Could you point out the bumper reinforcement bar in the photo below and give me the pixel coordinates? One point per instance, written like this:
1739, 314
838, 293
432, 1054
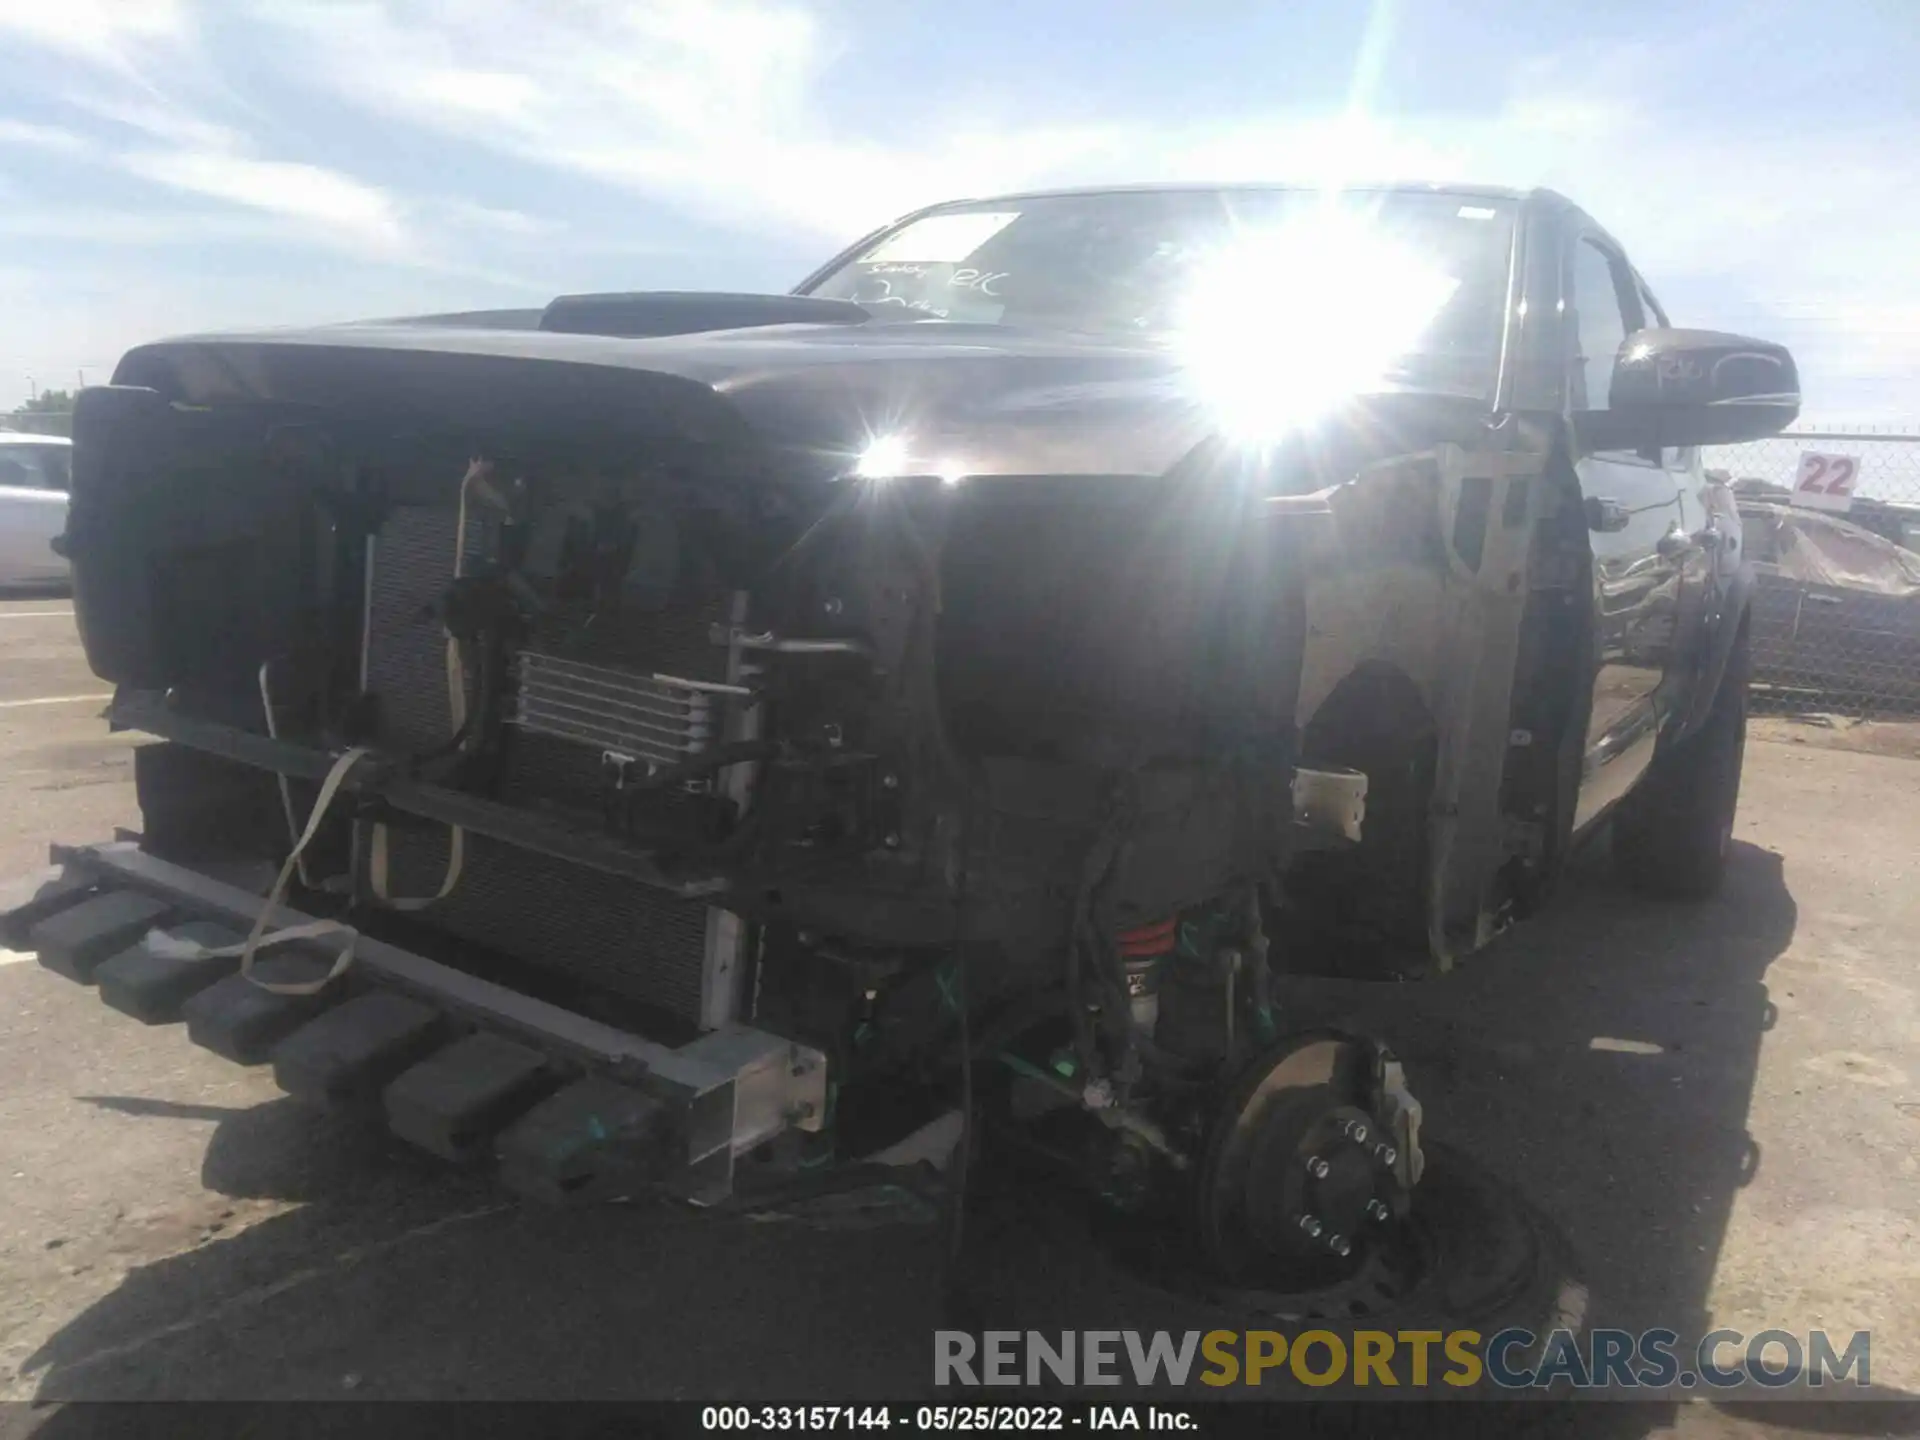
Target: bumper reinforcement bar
148, 712
568, 1107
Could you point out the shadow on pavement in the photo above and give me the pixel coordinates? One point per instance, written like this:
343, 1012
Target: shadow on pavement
398, 1277
139, 1105
1604, 1056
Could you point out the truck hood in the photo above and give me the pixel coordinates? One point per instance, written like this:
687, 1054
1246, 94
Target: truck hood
979, 400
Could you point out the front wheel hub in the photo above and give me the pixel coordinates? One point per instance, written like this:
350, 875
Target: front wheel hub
1310, 1163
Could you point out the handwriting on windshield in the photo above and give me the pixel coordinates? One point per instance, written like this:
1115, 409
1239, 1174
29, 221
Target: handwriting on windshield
968, 278
922, 306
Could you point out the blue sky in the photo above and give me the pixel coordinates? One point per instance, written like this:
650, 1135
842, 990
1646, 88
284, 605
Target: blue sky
178, 165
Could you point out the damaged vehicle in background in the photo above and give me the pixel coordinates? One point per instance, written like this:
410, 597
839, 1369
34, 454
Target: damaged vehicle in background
1836, 609
712, 741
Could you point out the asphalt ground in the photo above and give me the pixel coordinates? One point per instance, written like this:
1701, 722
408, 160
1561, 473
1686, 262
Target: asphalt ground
1719, 1104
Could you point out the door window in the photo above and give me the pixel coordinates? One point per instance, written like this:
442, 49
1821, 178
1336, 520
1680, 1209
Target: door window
1654, 317
1600, 324
35, 467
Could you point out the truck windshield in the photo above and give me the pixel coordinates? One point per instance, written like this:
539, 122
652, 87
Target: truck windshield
1295, 264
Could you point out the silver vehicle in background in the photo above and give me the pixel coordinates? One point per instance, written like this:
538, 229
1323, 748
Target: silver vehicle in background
1836, 608
36, 472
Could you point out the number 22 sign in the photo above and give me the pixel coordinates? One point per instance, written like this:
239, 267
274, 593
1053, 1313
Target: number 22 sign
1825, 482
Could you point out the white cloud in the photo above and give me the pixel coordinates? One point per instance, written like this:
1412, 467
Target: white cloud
710, 105
304, 193
103, 32
716, 106
489, 218
53, 138
135, 228
157, 118
143, 75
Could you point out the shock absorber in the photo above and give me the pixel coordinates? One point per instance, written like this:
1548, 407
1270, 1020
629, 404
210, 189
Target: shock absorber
1143, 951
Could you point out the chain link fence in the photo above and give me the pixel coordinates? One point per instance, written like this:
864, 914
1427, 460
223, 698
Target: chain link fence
1830, 520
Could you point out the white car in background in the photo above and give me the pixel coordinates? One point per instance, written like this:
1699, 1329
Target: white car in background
36, 472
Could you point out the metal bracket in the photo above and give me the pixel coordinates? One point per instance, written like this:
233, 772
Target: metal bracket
766, 640
1330, 804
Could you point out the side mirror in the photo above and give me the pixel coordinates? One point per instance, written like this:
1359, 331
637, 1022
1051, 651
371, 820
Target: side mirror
1692, 387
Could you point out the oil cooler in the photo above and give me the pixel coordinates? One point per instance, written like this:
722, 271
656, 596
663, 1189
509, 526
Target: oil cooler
583, 700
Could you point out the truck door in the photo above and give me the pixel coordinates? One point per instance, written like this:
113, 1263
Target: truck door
1634, 524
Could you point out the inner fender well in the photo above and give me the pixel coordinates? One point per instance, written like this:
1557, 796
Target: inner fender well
1364, 907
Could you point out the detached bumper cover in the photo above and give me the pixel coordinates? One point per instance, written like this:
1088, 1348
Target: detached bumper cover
567, 1106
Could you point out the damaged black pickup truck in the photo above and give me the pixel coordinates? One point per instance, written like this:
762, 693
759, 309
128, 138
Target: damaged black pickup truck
704, 738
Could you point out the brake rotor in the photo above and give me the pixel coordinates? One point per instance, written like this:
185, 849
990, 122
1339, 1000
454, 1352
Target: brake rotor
1299, 1186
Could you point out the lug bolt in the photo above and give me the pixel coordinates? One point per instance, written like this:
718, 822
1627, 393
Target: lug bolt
1318, 1168
892, 841
1376, 1211
1385, 1154
1310, 1225
1339, 1244
832, 605
1355, 1132
889, 782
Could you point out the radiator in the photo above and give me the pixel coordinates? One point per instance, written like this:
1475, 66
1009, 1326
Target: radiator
678, 955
